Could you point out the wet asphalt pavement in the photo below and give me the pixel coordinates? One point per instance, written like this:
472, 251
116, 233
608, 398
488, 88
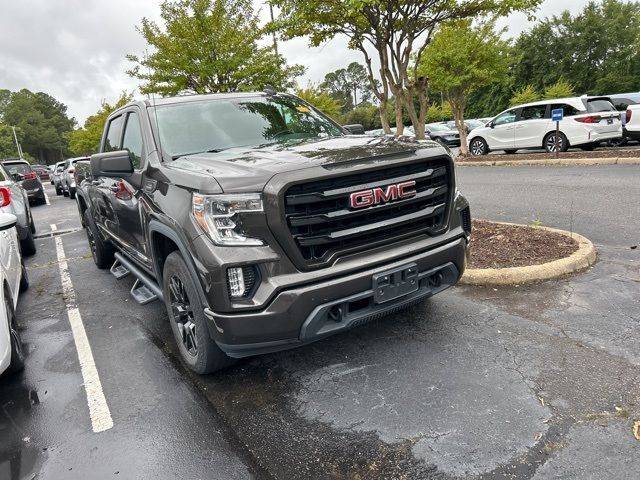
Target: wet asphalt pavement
524, 382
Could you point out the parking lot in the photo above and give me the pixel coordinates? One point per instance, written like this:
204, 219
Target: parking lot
518, 382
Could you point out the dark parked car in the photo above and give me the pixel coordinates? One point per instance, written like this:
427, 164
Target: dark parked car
23, 173
444, 135
264, 226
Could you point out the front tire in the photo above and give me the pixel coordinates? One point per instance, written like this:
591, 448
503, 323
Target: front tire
101, 251
17, 350
188, 323
478, 147
58, 190
72, 194
550, 142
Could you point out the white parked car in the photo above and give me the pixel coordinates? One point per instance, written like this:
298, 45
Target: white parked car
632, 125
67, 178
14, 279
587, 122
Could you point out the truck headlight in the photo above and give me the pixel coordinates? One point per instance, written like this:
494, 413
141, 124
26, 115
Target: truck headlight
218, 216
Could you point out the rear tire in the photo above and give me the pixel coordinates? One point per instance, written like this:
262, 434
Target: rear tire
17, 351
188, 322
24, 279
58, 191
101, 251
65, 193
549, 143
478, 147
28, 245
72, 194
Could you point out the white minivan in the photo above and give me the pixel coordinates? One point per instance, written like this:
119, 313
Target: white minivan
587, 121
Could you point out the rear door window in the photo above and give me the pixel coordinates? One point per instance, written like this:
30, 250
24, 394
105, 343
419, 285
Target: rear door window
600, 105
568, 110
535, 112
112, 140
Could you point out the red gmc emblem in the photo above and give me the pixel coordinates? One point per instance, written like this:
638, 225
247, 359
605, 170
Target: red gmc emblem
375, 196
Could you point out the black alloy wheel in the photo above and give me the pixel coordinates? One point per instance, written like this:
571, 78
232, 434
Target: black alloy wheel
182, 313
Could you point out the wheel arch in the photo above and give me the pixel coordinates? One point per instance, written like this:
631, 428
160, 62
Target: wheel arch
164, 240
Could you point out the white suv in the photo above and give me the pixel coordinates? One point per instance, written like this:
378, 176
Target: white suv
587, 122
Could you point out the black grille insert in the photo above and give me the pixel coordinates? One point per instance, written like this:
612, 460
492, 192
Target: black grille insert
321, 221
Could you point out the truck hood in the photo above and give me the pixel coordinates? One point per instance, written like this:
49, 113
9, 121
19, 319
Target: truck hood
249, 169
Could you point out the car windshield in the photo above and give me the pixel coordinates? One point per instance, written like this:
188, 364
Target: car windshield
219, 124
438, 127
20, 168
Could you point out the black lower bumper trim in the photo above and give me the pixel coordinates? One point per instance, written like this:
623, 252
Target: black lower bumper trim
350, 312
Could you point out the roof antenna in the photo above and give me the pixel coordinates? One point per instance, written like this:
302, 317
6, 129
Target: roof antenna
155, 113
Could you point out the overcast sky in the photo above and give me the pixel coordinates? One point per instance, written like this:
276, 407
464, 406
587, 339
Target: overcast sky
74, 49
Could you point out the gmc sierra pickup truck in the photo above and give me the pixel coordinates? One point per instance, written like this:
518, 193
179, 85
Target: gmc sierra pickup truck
263, 225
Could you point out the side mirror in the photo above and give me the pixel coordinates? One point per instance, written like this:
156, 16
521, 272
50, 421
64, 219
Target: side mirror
355, 129
111, 164
7, 221
492, 124
18, 177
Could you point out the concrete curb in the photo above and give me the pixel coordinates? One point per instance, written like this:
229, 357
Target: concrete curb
580, 260
552, 162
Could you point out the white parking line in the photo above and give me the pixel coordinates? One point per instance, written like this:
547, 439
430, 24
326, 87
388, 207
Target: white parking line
46, 197
98, 409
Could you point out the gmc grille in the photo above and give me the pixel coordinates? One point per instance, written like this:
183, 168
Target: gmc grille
322, 223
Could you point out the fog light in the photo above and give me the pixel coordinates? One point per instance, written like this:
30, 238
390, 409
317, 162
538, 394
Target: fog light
235, 279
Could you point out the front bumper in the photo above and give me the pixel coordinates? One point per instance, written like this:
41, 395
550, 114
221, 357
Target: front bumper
304, 314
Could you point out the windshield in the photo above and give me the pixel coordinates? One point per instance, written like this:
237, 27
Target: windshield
219, 124
438, 127
21, 168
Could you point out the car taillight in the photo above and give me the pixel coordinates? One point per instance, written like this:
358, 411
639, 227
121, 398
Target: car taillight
72, 170
5, 196
589, 119
628, 116
30, 175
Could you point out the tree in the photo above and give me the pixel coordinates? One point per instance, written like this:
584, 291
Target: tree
462, 58
597, 49
398, 31
8, 147
560, 89
366, 114
209, 46
86, 140
348, 85
526, 94
42, 121
321, 100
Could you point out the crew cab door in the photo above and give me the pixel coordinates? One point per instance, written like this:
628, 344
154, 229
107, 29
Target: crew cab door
502, 133
127, 199
102, 189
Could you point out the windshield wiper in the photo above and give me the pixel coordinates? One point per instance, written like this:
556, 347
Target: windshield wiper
213, 150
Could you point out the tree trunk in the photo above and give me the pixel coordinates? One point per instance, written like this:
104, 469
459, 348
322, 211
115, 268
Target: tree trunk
399, 123
458, 114
384, 117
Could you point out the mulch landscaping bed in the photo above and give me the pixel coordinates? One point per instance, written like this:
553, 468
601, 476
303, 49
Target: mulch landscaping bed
599, 153
494, 245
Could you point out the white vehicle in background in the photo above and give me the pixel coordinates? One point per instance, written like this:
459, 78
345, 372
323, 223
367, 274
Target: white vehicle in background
587, 122
632, 125
14, 279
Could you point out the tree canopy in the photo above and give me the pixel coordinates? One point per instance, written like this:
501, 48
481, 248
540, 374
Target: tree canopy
208, 46
462, 58
397, 31
349, 86
41, 123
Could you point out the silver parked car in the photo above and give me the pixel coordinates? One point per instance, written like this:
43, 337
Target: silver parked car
68, 181
17, 203
56, 177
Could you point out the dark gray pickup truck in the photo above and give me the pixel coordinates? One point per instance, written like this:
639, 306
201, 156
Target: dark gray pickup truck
263, 225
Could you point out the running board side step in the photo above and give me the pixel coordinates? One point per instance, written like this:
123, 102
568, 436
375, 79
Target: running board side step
118, 270
144, 289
